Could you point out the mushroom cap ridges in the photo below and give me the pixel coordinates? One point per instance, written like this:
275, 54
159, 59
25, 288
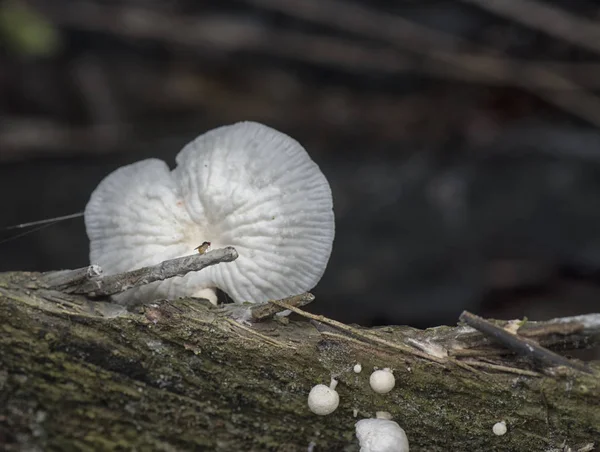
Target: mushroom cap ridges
245, 185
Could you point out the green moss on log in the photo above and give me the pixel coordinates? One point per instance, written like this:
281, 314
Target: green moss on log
181, 376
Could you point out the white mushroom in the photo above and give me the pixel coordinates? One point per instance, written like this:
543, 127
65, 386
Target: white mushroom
499, 428
245, 185
324, 400
357, 368
382, 381
381, 435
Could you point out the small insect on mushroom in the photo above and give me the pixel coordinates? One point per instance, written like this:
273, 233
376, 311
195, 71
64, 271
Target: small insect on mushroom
203, 248
382, 381
324, 400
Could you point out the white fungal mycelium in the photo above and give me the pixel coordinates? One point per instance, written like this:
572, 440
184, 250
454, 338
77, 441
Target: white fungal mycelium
323, 400
499, 428
244, 185
382, 381
381, 435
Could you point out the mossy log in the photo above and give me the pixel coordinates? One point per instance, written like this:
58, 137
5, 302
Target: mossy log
77, 374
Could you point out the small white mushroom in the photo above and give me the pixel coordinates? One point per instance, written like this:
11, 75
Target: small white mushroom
324, 400
357, 368
245, 185
499, 428
382, 381
381, 435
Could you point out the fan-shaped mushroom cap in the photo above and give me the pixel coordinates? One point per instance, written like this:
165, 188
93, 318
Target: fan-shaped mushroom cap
245, 185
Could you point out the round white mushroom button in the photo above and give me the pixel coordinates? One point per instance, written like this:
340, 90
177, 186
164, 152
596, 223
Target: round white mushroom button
323, 400
381, 435
357, 368
382, 381
499, 428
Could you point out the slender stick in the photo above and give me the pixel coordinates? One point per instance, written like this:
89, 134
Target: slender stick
268, 310
96, 286
519, 344
362, 334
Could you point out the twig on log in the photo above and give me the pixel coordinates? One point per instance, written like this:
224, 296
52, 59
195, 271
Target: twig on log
566, 333
71, 278
518, 344
356, 332
81, 281
268, 310
500, 368
588, 324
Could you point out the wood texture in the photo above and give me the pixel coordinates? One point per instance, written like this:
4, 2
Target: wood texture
180, 375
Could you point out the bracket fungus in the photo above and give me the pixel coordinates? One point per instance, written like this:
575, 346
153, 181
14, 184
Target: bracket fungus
244, 185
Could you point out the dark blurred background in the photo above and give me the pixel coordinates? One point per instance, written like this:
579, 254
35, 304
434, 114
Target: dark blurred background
461, 137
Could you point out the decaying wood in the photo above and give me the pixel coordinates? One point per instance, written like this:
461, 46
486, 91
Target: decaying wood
77, 374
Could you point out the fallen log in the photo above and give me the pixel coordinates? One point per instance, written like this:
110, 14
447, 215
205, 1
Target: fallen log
78, 373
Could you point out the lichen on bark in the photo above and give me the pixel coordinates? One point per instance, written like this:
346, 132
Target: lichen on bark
76, 374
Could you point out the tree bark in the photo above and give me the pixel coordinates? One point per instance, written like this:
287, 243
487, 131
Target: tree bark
77, 374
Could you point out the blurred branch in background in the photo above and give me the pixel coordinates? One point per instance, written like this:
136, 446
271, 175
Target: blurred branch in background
438, 48
542, 16
461, 137
352, 37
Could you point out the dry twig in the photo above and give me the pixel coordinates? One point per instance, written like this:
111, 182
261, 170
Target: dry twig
87, 280
267, 310
519, 344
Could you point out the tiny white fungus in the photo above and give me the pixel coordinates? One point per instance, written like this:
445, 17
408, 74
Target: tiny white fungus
382, 381
499, 428
333, 383
324, 400
381, 435
357, 368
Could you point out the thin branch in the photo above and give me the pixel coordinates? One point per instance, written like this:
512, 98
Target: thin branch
553, 21
519, 344
478, 65
585, 324
356, 332
267, 310
499, 368
80, 281
63, 279
436, 46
